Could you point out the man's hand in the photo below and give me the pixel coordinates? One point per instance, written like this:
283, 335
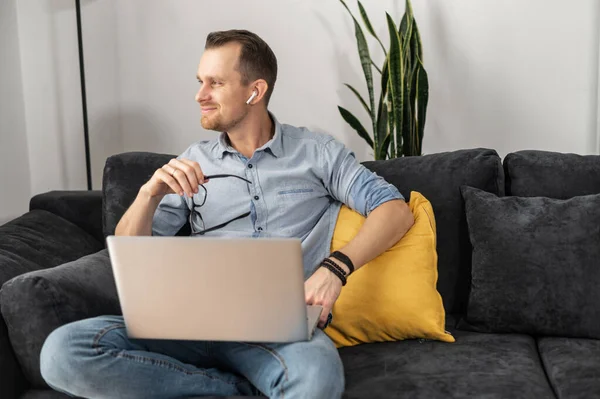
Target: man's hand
323, 288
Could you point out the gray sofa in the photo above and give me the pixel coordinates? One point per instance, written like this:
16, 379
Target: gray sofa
522, 316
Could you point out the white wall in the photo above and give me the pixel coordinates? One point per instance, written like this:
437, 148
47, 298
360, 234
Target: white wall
48, 45
508, 75
14, 158
512, 74
504, 74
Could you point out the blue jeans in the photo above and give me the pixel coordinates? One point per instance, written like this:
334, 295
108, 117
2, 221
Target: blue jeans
94, 358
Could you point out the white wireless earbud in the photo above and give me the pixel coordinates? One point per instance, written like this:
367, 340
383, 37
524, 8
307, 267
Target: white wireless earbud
254, 94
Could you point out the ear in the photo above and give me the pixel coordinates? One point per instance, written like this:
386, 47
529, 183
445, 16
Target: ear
260, 86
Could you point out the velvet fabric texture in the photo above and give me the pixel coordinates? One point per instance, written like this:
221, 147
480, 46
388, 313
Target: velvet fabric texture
535, 264
491, 366
82, 208
535, 173
439, 177
37, 240
572, 366
36, 303
51, 394
124, 174
44, 394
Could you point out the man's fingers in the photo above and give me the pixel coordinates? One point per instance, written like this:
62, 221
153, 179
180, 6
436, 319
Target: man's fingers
324, 316
165, 175
197, 169
185, 175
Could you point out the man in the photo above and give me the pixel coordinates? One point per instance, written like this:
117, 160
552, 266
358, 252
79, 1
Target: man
293, 181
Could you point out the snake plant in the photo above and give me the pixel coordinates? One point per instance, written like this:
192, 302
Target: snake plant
398, 122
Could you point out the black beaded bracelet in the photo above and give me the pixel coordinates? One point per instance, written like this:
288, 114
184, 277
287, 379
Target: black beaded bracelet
343, 258
332, 263
335, 271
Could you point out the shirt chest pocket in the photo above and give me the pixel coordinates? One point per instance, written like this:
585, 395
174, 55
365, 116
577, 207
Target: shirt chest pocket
295, 193
293, 197
294, 204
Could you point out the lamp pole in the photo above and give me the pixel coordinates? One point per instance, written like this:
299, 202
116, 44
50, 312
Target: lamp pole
83, 97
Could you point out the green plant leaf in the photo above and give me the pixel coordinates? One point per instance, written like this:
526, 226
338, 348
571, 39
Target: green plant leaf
382, 117
356, 125
422, 100
397, 85
375, 66
365, 60
364, 104
418, 46
391, 127
384, 147
382, 124
405, 32
408, 120
365, 19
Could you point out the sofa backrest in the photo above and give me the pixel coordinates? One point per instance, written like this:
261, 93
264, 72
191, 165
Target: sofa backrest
124, 175
534, 173
437, 176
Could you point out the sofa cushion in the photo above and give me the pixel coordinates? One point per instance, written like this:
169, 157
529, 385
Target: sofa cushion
534, 173
44, 394
35, 303
124, 174
35, 240
392, 297
38, 240
492, 366
535, 264
572, 366
83, 208
439, 177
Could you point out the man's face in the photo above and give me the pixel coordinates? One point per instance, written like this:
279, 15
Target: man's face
221, 95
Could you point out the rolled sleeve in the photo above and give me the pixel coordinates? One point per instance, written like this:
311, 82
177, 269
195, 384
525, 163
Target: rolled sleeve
170, 216
352, 183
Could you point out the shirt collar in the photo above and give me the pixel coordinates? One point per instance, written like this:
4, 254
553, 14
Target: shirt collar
274, 145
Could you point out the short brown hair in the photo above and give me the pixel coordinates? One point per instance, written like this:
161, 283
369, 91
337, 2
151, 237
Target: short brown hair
257, 60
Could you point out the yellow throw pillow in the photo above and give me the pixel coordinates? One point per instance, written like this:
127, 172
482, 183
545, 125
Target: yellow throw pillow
393, 297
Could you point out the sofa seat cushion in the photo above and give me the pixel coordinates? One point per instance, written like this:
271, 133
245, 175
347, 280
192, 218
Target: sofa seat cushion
572, 366
477, 365
36, 303
40, 239
44, 394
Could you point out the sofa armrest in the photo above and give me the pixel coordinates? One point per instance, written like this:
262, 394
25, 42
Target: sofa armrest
80, 207
36, 303
12, 380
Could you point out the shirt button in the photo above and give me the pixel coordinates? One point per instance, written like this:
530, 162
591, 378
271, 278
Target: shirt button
259, 229
250, 165
256, 197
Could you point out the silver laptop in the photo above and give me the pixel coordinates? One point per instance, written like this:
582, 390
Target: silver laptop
215, 289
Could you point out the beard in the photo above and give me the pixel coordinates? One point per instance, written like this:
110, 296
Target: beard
217, 123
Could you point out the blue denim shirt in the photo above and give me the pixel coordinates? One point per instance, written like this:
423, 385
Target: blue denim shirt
299, 181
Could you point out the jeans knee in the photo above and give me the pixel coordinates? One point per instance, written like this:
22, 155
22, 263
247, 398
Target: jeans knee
67, 351
316, 380
55, 354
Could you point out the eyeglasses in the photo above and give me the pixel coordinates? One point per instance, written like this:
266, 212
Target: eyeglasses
195, 216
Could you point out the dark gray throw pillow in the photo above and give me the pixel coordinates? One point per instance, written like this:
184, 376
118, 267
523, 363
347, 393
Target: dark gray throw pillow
34, 304
536, 264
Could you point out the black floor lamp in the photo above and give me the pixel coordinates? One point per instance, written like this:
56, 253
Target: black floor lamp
83, 97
